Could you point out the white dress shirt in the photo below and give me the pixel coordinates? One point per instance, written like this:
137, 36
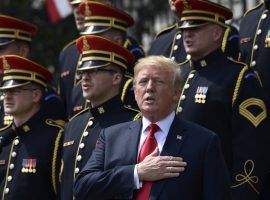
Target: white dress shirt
160, 136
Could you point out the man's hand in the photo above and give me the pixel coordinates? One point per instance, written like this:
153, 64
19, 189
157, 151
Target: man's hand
155, 167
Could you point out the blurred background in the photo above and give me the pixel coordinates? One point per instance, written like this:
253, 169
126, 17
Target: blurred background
55, 32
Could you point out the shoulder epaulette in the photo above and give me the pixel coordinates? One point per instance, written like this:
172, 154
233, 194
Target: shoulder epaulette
77, 114
5, 127
55, 123
132, 109
69, 44
254, 8
165, 30
138, 116
127, 43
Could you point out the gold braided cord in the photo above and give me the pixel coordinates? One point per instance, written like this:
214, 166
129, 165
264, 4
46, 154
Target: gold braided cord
258, 78
225, 38
138, 116
124, 91
247, 177
238, 83
54, 160
56, 123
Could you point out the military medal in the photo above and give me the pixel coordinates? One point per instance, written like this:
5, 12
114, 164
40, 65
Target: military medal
29, 166
200, 96
267, 40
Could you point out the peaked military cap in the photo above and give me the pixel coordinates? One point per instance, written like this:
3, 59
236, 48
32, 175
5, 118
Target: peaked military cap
99, 52
19, 71
196, 13
100, 17
12, 28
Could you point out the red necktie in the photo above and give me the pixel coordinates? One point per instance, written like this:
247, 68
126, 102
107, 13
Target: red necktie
148, 147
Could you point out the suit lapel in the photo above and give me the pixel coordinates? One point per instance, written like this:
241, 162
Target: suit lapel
172, 147
133, 136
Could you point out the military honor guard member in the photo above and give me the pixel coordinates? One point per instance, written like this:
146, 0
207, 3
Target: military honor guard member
15, 39
114, 28
158, 156
30, 156
169, 41
255, 41
69, 59
102, 69
255, 50
224, 96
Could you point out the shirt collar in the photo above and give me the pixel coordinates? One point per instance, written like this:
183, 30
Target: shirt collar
163, 124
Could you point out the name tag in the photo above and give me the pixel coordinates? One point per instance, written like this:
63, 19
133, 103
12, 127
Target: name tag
64, 74
69, 143
2, 162
245, 40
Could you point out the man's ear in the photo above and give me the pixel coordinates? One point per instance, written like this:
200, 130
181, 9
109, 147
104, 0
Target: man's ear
118, 39
37, 95
117, 78
24, 50
217, 33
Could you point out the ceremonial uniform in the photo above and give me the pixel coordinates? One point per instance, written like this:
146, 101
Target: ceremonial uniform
255, 42
30, 157
82, 131
169, 43
29, 166
226, 97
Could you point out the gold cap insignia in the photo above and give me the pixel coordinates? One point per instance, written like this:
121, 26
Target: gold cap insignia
26, 128
87, 10
186, 5
86, 46
5, 64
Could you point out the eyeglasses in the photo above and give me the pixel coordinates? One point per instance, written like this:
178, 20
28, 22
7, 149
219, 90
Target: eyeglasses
93, 72
16, 91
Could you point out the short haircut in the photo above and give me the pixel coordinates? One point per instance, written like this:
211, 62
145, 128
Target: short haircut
159, 62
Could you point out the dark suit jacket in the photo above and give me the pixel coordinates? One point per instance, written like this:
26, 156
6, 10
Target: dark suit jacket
109, 172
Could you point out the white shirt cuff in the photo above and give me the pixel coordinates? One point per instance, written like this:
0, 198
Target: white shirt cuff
137, 182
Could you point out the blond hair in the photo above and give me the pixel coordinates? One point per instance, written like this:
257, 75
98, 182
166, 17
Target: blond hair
159, 62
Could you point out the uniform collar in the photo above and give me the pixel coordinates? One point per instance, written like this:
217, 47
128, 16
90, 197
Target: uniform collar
207, 60
108, 106
30, 124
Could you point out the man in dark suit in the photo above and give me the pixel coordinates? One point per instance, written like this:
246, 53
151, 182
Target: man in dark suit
158, 156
